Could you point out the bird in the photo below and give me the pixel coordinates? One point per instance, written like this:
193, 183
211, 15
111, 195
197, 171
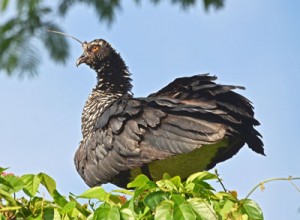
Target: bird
188, 126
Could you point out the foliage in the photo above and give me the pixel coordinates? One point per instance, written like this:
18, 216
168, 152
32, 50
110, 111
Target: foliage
20, 33
169, 198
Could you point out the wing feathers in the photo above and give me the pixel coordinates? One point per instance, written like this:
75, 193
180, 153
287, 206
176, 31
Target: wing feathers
188, 114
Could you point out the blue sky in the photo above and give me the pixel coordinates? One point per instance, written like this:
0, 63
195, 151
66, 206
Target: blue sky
251, 43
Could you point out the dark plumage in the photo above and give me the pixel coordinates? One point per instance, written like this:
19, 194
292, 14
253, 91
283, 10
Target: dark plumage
188, 126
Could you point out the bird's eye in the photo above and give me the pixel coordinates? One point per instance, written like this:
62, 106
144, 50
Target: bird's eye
95, 48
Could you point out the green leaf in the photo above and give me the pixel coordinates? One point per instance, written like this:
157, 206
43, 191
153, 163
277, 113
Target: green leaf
150, 186
57, 45
32, 183
227, 207
95, 193
83, 210
11, 183
166, 176
224, 195
108, 212
73, 214
164, 210
177, 198
155, 198
59, 199
8, 197
139, 181
56, 215
200, 176
48, 182
127, 214
6, 28
68, 208
49, 214
2, 169
252, 209
182, 210
124, 191
237, 214
4, 5
5, 183
166, 185
202, 209
29, 60
216, 3
176, 180
113, 199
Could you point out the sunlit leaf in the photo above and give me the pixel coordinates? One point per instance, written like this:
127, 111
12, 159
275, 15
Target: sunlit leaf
8, 197
176, 180
108, 212
227, 196
11, 183
226, 208
139, 181
166, 185
252, 209
48, 182
95, 193
83, 210
32, 183
124, 191
200, 176
4, 183
164, 210
68, 207
202, 209
182, 210
59, 199
127, 214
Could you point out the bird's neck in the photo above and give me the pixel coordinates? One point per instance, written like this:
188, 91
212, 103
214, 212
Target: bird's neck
113, 83
113, 76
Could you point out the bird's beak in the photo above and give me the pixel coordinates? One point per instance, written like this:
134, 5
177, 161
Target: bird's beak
81, 59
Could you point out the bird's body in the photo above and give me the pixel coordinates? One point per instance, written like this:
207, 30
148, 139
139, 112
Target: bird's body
188, 126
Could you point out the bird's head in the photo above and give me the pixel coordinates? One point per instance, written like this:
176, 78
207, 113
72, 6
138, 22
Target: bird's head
112, 72
95, 53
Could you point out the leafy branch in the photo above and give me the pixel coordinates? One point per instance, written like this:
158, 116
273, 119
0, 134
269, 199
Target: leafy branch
20, 33
169, 198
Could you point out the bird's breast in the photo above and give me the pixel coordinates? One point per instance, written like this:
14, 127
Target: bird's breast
96, 104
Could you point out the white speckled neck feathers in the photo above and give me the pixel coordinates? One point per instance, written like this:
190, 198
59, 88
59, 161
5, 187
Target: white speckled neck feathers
97, 102
113, 82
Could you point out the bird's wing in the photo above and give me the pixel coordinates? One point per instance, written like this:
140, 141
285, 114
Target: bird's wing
133, 133
203, 90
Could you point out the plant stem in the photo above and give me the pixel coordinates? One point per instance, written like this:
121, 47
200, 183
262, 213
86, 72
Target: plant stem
275, 179
220, 180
